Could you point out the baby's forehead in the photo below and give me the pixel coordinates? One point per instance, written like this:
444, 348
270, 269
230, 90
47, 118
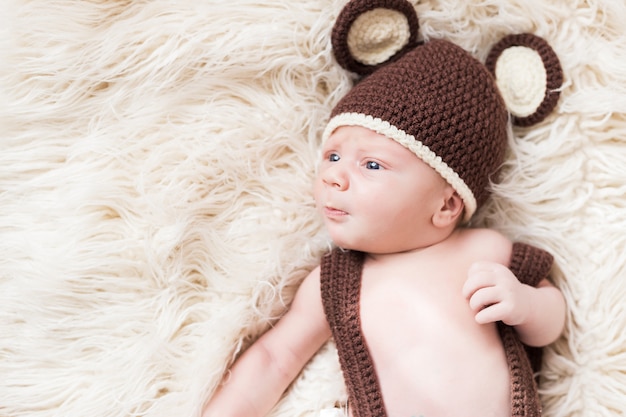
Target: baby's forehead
368, 139
358, 134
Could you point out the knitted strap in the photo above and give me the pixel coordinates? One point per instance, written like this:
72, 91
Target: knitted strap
530, 265
341, 288
524, 396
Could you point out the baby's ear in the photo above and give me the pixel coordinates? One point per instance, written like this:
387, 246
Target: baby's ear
529, 76
371, 33
450, 211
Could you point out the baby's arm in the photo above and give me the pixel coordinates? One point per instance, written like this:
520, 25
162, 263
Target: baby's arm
260, 376
495, 294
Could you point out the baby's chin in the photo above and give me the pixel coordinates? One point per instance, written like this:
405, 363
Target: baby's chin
375, 247
347, 244
359, 246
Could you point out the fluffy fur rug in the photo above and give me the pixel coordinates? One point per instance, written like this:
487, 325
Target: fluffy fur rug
156, 212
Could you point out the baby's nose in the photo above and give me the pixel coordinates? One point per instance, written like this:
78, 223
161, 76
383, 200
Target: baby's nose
336, 177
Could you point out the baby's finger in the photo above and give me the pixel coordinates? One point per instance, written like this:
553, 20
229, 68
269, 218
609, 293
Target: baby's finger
477, 278
484, 298
490, 314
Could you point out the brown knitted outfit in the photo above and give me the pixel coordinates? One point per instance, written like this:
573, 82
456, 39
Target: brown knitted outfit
445, 106
340, 285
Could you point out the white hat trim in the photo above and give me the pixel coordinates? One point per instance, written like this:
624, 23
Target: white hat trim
408, 141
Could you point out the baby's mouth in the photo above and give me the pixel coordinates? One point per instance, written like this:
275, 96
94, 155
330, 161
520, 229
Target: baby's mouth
334, 212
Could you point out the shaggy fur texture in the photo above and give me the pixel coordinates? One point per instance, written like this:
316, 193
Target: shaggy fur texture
156, 213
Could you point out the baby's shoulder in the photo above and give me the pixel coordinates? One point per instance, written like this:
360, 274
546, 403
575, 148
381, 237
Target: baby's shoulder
476, 234
487, 244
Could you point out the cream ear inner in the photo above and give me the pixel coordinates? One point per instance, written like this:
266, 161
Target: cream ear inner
377, 35
522, 80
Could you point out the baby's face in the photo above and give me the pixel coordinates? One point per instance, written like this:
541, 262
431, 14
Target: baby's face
373, 193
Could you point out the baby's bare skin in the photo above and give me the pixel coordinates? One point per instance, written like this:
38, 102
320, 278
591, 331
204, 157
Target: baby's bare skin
431, 357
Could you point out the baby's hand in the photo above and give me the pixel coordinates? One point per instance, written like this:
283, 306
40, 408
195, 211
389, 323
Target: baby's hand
495, 294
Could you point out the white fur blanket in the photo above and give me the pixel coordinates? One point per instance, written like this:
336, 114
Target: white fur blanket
156, 213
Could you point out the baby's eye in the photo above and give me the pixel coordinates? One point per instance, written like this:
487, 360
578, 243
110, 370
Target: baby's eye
333, 157
373, 165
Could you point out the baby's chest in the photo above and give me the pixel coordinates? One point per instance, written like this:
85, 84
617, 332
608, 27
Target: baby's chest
423, 337
425, 343
412, 309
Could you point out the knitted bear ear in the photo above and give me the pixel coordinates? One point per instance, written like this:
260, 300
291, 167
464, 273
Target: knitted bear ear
528, 74
371, 33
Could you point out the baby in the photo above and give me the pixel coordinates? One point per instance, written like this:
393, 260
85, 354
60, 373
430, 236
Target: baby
428, 315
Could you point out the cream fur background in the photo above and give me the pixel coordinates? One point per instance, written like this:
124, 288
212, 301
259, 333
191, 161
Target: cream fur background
155, 203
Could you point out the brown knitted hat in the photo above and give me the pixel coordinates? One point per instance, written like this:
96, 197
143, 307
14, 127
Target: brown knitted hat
433, 98
443, 105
